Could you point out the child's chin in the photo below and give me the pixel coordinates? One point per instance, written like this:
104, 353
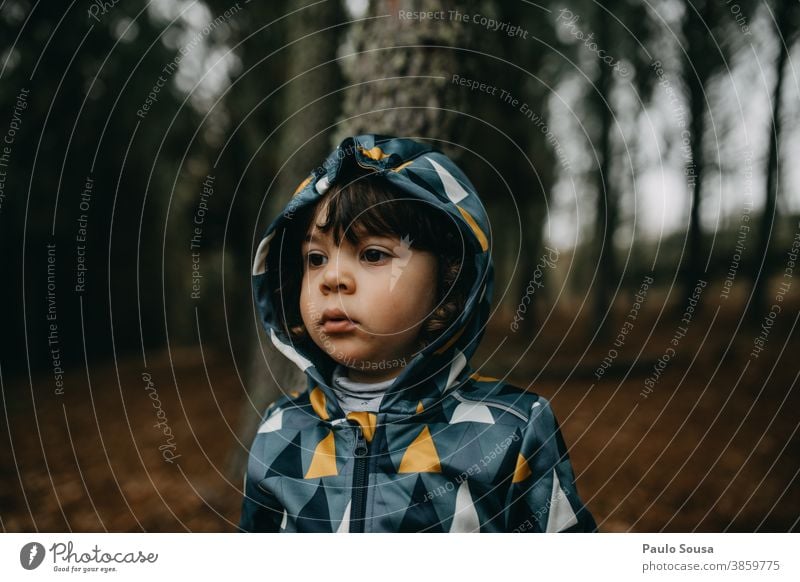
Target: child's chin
352, 361
345, 357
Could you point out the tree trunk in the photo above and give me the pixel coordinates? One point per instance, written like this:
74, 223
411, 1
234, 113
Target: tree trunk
693, 169
699, 63
761, 263
606, 219
406, 91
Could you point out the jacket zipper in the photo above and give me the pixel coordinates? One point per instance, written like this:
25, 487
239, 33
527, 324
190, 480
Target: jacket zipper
359, 497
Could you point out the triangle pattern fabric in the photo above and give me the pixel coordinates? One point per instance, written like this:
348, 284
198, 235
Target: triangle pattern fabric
522, 470
472, 412
344, 525
273, 423
421, 455
315, 517
464, 450
288, 463
459, 363
455, 191
561, 516
465, 516
420, 515
391, 497
323, 463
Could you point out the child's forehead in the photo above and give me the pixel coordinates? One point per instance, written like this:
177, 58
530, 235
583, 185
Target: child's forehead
316, 234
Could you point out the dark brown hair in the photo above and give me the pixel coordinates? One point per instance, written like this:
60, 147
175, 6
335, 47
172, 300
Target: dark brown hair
370, 205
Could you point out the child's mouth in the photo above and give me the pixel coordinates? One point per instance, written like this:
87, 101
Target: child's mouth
335, 321
338, 326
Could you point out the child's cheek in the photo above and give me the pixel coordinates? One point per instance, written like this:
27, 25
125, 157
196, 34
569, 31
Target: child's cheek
307, 307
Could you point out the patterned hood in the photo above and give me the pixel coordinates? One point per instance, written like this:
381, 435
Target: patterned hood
421, 172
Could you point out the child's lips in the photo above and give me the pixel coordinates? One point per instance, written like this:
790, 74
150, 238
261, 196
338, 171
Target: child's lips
336, 321
338, 326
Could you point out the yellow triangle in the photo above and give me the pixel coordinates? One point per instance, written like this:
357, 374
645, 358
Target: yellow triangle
323, 464
522, 471
318, 401
420, 408
421, 455
367, 420
484, 242
480, 378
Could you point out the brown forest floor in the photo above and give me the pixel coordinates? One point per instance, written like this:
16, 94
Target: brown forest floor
713, 448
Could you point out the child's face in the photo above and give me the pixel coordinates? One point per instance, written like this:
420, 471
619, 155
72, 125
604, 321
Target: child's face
364, 304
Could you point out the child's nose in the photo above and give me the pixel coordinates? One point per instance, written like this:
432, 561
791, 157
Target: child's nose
337, 277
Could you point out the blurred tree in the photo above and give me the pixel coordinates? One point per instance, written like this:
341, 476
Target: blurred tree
531, 173
711, 36
606, 210
86, 77
400, 69
615, 43
785, 18
528, 69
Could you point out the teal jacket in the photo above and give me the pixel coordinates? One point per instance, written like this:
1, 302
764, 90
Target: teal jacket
449, 450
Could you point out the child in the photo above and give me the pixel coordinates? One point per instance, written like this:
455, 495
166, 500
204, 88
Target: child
376, 281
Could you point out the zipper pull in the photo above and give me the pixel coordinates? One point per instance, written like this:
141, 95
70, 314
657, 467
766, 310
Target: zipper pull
361, 443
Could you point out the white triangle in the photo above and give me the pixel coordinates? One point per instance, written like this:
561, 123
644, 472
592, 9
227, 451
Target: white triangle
472, 412
322, 185
260, 262
274, 422
283, 521
561, 516
455, 191
459, 361
344, 527
465, 516
290, 352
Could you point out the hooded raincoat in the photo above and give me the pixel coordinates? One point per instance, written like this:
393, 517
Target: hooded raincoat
449, 450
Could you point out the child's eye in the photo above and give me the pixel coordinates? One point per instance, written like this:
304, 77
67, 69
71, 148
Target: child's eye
315, 259
375, 255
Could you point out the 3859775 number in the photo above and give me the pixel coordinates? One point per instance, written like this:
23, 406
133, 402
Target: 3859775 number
749, 565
